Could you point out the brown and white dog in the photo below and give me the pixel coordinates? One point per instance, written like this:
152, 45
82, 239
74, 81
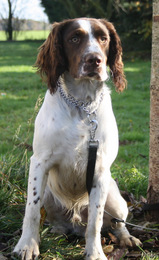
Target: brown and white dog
74, 60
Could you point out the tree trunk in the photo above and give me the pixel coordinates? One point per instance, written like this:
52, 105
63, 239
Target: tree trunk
153, 187
10, 27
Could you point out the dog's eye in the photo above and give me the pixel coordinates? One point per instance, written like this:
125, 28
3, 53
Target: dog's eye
103, 39
75, 39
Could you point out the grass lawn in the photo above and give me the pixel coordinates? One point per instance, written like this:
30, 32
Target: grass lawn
21, 94
27, 35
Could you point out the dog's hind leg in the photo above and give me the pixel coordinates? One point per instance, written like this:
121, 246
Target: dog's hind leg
57, 214
117, 207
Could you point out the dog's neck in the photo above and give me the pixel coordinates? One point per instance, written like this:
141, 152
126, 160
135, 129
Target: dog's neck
85, 90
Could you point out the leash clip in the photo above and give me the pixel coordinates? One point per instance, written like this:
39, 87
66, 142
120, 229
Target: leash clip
93, 124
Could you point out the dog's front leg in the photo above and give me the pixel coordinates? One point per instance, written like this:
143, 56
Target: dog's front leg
97, 202
28, 245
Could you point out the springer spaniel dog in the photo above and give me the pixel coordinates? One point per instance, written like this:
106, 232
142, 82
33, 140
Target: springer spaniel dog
77, 111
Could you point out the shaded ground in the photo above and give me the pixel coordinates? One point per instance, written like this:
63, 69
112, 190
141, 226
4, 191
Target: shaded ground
71, 247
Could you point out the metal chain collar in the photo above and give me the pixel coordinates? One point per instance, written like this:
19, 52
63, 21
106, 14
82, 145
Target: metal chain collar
85, 106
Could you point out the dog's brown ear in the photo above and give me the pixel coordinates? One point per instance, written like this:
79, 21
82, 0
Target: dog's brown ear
115, 57
51, 61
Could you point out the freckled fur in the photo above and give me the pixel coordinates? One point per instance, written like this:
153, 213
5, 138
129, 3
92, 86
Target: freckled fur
59, 162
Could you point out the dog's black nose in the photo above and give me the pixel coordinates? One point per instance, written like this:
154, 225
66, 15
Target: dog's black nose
93, 59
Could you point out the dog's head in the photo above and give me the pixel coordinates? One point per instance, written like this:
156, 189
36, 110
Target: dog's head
84, 47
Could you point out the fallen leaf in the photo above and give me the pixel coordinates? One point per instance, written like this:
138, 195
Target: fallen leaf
118, 254
108, 249
43, 216
134, 254
113, 238
103, 241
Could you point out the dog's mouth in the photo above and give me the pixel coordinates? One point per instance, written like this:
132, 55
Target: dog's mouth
92, 74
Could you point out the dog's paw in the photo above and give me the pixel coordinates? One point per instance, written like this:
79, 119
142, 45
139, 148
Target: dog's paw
124, 237
129, 241
27, 249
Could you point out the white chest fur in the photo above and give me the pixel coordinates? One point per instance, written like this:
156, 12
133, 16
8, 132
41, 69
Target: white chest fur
61, 140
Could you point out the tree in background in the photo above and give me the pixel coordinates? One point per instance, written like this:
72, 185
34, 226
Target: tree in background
58, 10
11, 24
9, 29
135, 24
132, 18
153, 188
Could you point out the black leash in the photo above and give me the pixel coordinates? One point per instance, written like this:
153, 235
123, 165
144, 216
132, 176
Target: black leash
92, 155
117, 220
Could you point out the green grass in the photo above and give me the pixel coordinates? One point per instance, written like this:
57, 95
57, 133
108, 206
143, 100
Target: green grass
131, 109
21, 94
26, 35
19, 88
